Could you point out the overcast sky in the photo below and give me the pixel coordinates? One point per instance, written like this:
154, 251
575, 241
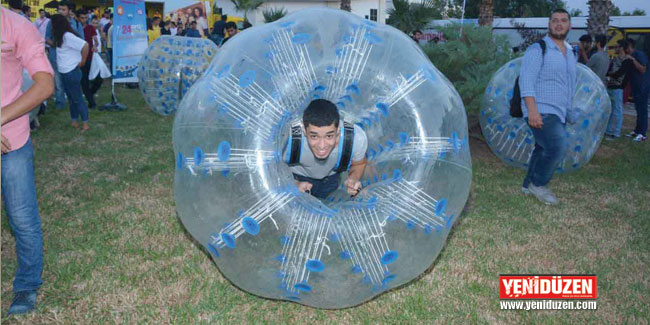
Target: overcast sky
625, 5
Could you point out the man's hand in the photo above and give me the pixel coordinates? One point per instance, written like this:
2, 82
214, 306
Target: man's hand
304, 186
353, 186
535, 120
6, 146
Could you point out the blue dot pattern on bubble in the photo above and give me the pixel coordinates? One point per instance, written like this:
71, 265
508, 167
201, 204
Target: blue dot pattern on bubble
511, 139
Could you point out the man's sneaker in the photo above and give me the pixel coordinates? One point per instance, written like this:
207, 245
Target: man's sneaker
542, 193
23, 303
640, 138
631, 135
525, 190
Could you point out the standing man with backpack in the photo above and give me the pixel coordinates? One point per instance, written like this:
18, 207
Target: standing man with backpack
547, 81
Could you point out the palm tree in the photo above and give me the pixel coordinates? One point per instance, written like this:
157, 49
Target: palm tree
410, 16
346, 5
246, 6
486, 13
598, 20
273, 14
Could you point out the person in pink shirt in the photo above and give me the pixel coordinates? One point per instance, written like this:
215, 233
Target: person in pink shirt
22, 48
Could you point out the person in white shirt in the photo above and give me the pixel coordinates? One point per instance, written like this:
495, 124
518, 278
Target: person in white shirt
71, 54
41, 23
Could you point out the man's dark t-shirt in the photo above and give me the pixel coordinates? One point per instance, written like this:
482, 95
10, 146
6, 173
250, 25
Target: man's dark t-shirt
218, 27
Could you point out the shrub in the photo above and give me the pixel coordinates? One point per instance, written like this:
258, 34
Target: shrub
469, 61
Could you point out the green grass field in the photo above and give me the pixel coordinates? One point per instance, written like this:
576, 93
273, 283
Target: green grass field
115, 251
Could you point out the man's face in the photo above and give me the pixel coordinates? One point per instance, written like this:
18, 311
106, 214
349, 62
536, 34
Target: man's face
95, 23
64, 11
322, 140
231, 31
418, 36
193, 25
83, 18
41, 13
629, 50
559, 25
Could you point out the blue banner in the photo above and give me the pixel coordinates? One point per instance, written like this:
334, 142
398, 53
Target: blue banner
129, 38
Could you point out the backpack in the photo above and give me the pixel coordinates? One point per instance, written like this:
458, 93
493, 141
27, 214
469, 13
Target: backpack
515, 101
294, 144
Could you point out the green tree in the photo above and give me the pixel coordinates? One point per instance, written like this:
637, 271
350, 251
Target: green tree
598, 20
246, 6
469, 61
575, 12
616, 11
514, 8
273, 14
409, 16
486, 15
638, 12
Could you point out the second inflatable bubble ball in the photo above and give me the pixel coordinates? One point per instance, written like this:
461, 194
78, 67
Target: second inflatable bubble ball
169, 67
512, 140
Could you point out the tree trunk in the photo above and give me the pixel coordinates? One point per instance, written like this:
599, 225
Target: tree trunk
486, 14
598, 20
345, 5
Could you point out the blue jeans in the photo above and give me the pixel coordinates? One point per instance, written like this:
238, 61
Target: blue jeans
19, 197
72, 85
321, 188
59, 93
616, 117
641, 106
550, 146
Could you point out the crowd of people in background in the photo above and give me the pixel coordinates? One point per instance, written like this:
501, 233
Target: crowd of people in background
194, 26
71, 39
629, 66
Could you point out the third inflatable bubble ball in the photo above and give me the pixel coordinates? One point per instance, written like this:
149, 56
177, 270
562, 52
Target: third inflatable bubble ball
512, 140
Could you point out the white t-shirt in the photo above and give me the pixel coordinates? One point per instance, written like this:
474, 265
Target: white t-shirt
103, 21
68, 55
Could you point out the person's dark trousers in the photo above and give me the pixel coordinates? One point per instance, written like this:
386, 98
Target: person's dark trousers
72, 86
641, 106
321, 188
19, 198
89, 87
550, 146
109, 57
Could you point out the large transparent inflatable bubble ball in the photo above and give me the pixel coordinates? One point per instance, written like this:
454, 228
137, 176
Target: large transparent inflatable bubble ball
169, 67
233, 136
512, 140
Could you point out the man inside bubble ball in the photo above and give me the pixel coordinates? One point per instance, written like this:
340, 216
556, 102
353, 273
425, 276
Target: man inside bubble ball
547, 81
332, 147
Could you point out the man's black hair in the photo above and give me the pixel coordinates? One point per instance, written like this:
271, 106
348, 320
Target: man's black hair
16, 4
224, 17
230, 24
560, 11
321, 112
631, 42
622, 43
601, 39
417, 31
81, 12
585, 38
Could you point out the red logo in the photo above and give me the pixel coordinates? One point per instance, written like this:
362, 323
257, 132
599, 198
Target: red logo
531, 286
